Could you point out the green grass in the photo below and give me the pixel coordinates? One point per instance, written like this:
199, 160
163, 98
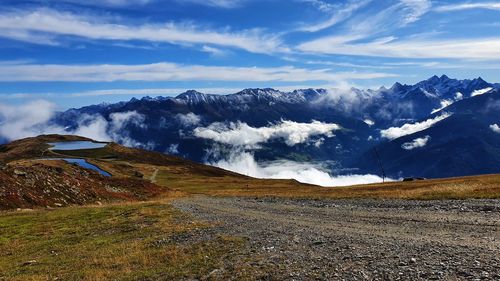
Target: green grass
109, 242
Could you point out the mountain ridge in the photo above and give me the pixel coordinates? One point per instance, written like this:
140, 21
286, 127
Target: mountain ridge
167, 124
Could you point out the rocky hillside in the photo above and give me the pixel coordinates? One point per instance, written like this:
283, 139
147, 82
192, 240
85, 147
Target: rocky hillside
27, 180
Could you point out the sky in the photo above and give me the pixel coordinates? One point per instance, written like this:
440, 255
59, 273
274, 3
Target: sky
74, 53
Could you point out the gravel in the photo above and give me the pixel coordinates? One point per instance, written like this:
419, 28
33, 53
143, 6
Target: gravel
291, 239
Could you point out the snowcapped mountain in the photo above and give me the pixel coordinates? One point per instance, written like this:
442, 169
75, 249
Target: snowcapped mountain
299, 126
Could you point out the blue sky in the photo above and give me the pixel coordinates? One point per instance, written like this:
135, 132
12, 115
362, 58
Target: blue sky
76, 54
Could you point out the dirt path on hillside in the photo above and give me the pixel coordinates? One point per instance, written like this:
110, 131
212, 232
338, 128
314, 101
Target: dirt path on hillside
357, 240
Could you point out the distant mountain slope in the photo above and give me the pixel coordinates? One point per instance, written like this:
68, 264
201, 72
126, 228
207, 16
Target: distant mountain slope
462, 144
168, 124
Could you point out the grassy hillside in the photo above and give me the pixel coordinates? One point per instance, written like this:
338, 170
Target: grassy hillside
485, 186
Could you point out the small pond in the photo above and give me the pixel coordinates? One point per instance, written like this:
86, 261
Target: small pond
76, 145
82, 163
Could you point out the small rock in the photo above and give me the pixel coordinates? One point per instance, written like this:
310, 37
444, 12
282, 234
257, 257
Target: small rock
19, 173
214, 272
31, 262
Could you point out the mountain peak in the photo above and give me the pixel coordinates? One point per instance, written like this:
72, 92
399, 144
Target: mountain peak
397, 87
257, 90
444, 77
480, 79
436, 79
189, 94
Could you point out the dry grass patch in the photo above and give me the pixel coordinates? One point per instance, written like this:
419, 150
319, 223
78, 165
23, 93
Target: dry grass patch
118, 241
485, 186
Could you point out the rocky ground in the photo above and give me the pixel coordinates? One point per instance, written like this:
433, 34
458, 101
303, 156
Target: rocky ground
38, 183
354, 239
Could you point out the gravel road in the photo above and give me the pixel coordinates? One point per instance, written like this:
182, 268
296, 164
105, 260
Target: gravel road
355, 239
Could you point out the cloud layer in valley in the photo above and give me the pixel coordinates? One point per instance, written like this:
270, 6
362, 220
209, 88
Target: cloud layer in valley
243, 138
245, 163
241, 134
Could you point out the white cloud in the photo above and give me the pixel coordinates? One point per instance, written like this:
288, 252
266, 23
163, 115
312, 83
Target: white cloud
228, 4
480, 92
407, 129
495, 128
27, 120
214, 52
165, 71
414, 9
189, 119
444, 103
320, 5
34, 118
51, 24
447, 102
346, 99
339, 14
416, 143
468, 6
121, 119
244, 163
240, 134
91, 126
477, 48
362, 25
369, 122
110, 3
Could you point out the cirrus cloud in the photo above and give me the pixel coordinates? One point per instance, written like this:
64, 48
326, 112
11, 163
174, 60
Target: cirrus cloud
52, 24
165, 71
468, 6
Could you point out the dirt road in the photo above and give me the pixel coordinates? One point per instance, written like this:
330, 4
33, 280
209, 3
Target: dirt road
356, 240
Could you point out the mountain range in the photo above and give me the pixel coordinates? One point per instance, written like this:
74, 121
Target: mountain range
439, 127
